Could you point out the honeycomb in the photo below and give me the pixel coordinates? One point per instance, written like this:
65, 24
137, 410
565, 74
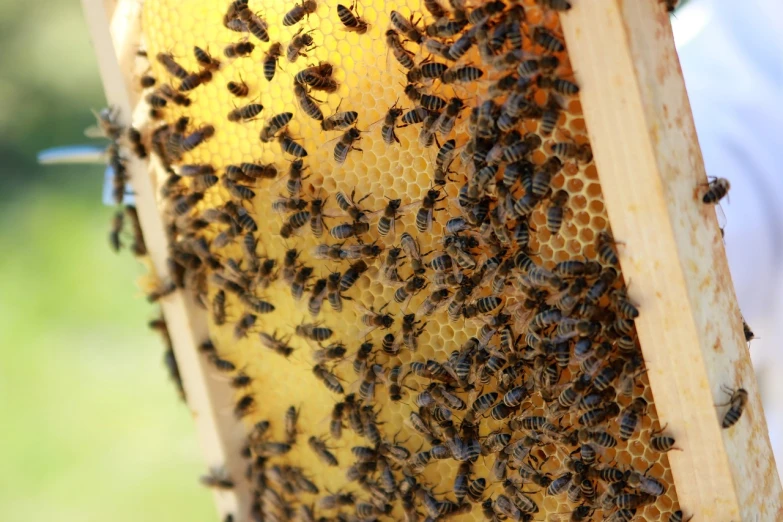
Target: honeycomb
370, 80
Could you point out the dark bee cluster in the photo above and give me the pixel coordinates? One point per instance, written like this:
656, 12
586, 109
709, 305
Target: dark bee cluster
486, 309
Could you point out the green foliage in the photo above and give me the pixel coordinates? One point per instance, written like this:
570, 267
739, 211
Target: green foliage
92, 430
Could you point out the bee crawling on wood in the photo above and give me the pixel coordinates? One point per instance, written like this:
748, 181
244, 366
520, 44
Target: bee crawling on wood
737, 401
717, 189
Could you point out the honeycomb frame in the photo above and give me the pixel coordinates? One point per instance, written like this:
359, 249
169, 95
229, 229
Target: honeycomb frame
538, 218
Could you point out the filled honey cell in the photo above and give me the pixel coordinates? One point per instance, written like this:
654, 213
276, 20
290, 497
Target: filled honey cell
496, 288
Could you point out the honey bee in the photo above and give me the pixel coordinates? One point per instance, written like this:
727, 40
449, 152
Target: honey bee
671, 5
277, 344
427, 71
445, 27
554, 215
605, 247
346, 145
238, 49
256, 25
238, 191
116, 228
135, 138
557, 5
318, 294
413, 116
244, 406
313, 331
425, 212
411, 248
307, 103
259, 306
717, 189
437, 48
505, 507
336, 423
546, 39
456, 248
352, 275
322, 451
299, 46
295, 178
197, 137
401, 54
161, 291
362, 356
645, 484
299, 11
374, 319
749, 335
171, 66
266, 273
245, 113
329, 379
300, 281
632, 500
274, 52
410, 332
435, 8
351, 22
205, 59
217, 479
433, 302
333, 292
243, 325
447, 119
443, 160
737, 400
291, 417
550, 116
661, 443
583, 153
275, 124
389, 124
560, 85
147, 81
348, 230
339, 120
289, 146
317, 77
238, 89
461, 74
406, 27
413, 286
193, 80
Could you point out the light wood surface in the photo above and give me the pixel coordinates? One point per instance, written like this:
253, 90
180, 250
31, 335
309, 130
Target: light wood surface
651, 172
209, 397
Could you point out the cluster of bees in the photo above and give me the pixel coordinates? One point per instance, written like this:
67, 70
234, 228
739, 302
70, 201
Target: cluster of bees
550, 379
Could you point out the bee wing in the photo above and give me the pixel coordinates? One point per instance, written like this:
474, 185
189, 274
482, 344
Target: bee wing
330, 144
94, 131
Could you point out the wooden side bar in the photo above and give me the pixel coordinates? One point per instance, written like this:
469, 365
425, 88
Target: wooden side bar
652, 175
208, 397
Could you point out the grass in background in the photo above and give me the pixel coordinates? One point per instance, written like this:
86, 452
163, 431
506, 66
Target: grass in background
92, 430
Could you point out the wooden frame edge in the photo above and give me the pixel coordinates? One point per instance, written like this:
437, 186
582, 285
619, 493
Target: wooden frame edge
210, 399
652, 176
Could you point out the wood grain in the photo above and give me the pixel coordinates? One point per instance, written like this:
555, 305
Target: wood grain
209, 397
652, 175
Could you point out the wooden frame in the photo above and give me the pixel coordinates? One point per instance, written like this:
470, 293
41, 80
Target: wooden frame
652, 179
115, 30
652, 175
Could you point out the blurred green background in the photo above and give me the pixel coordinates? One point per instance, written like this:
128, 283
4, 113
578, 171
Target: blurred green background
93, 429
